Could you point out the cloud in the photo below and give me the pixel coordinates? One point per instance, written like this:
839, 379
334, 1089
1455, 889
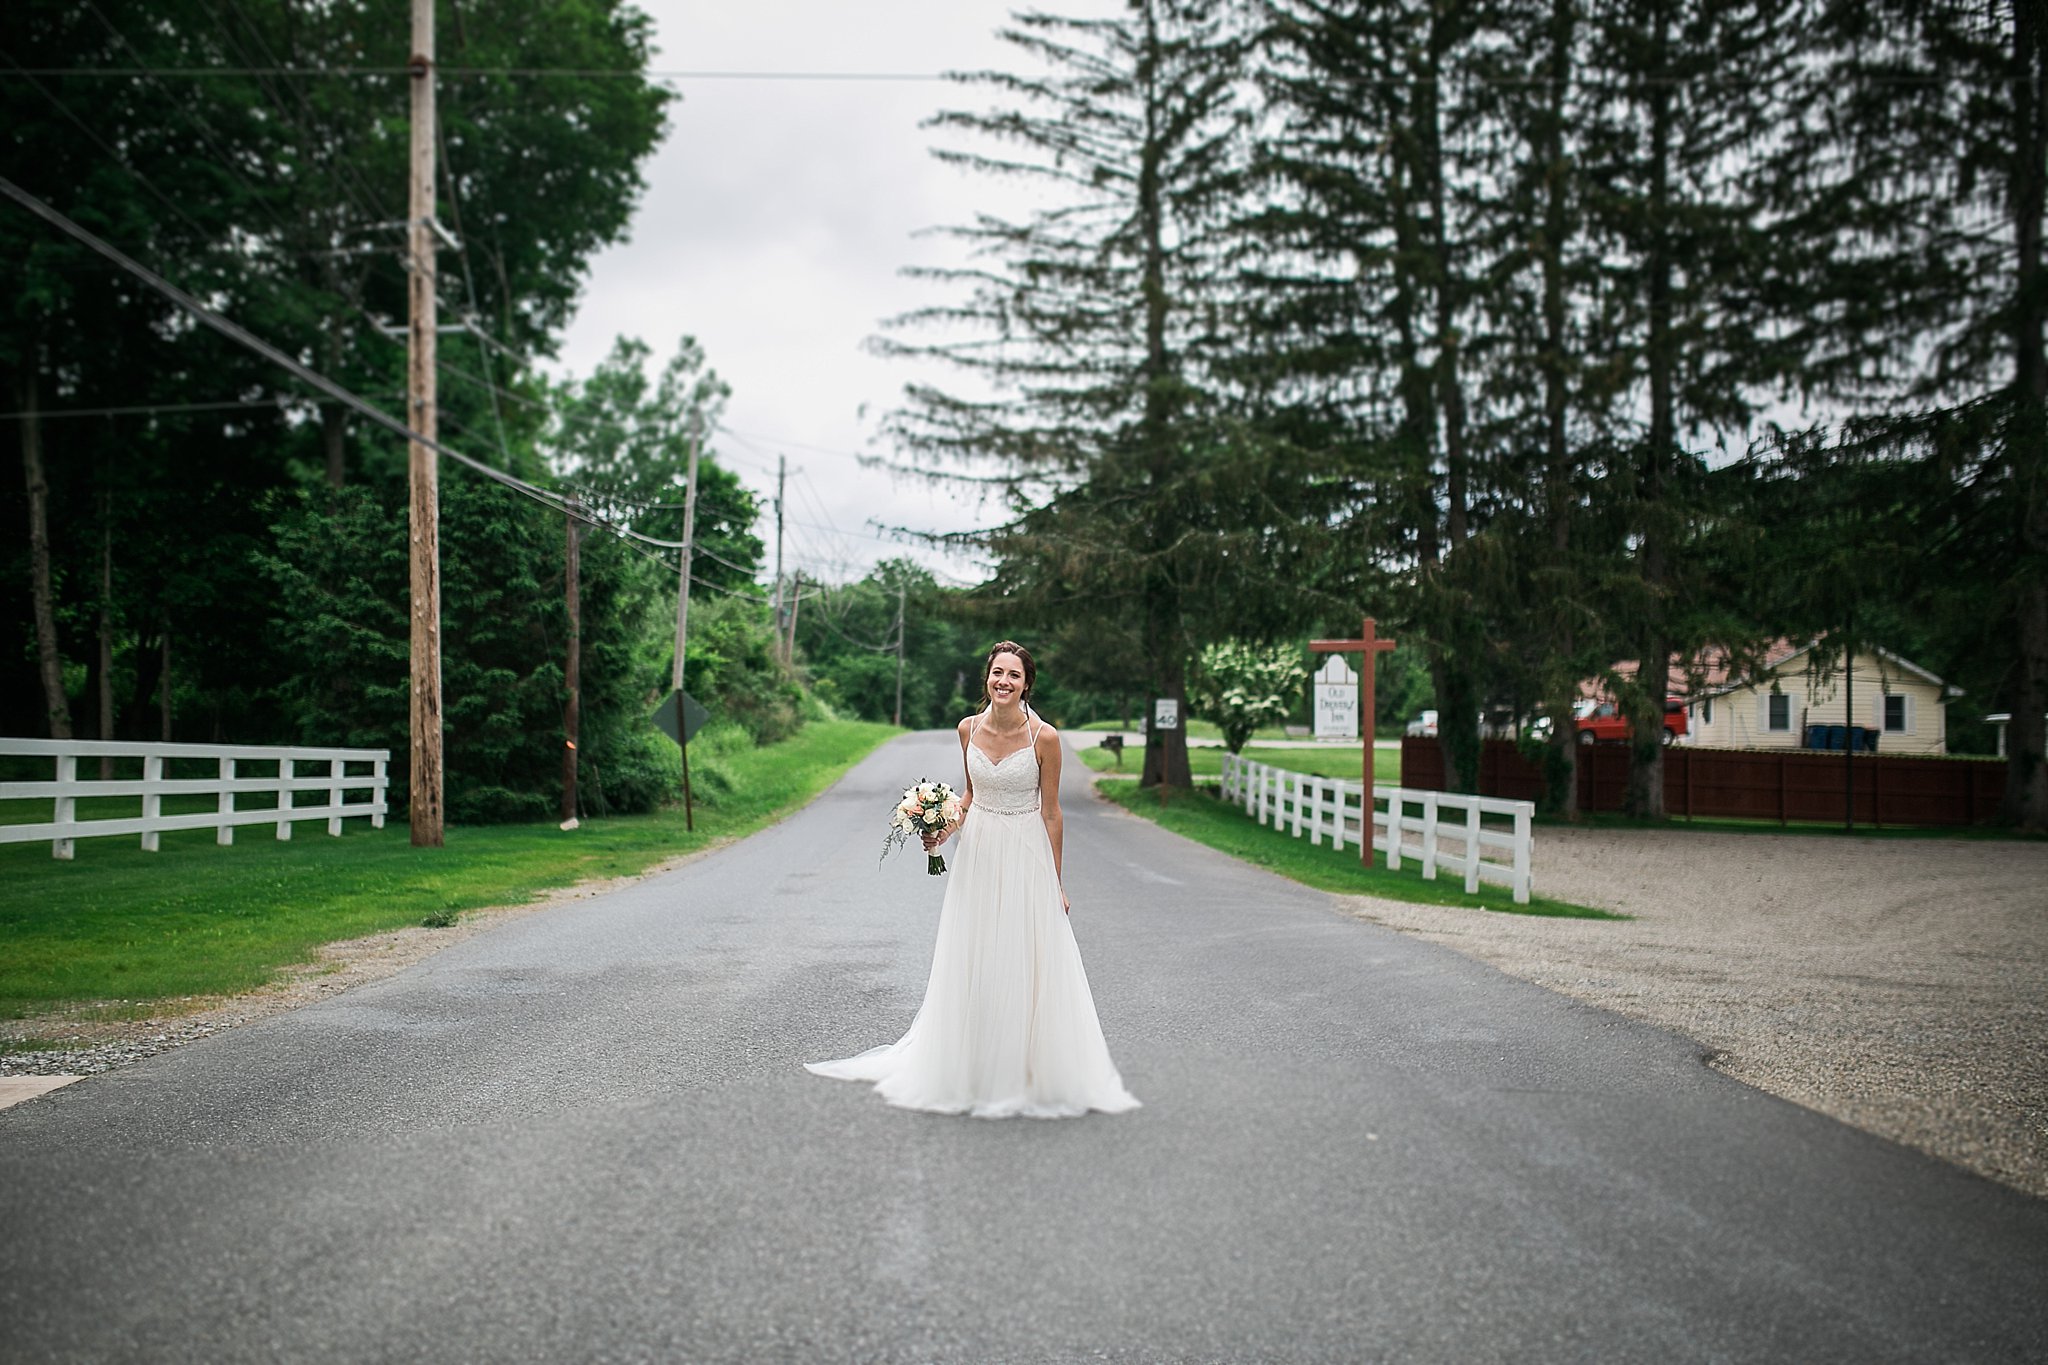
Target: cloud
777, 219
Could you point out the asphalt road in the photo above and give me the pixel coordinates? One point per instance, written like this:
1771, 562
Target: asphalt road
586, 1136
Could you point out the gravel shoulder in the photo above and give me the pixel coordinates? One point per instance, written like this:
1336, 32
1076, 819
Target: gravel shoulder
1897, 985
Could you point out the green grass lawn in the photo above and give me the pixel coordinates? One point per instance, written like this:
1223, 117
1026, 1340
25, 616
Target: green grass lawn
1335, 761
1227, 829
121, 925
1196, 727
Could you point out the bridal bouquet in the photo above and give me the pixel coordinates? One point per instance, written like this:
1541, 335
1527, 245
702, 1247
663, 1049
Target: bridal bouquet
928, 807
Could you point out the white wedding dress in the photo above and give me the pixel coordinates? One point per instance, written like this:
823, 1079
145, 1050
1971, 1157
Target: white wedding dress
1008, 1025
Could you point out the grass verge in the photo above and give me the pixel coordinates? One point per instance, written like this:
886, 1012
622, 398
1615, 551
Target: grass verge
1207, 820
1206, 761
121, 925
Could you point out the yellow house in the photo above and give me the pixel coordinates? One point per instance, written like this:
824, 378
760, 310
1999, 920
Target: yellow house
1902, 702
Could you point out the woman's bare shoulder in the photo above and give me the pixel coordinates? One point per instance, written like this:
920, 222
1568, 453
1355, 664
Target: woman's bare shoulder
966, 724
1048, 735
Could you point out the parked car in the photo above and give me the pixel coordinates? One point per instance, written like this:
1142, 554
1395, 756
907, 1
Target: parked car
1606, 723
1423, 725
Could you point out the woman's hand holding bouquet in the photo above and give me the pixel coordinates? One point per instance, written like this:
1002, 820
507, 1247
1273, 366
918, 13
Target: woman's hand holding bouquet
929, 811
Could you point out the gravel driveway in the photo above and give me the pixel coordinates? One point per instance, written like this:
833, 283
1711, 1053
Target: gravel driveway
1900, 985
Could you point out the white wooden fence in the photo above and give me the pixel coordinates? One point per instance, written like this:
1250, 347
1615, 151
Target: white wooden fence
153, 787
1416, 823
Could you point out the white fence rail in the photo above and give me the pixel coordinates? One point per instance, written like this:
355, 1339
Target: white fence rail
1414, 825
66, 825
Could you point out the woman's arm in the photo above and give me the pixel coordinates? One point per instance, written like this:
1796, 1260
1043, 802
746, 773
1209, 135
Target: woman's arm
932, 841
1049, 755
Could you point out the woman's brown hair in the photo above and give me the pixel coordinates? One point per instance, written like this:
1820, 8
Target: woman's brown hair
1023, 657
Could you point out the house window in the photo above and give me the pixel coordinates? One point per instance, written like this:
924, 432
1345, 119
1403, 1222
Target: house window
1778, 716
1898, 716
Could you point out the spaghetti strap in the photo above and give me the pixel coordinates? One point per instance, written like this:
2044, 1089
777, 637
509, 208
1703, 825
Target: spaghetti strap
1033, 741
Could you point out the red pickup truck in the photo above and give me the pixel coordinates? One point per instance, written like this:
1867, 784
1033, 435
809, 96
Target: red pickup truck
1605, 722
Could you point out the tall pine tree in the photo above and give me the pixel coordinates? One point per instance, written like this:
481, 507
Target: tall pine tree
1089, 333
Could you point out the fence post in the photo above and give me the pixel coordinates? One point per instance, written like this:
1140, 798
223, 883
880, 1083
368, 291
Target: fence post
1396, 814
224, 833
152, 800
334, 778
1472, 848
66, 809
380, 784
1337, 798
1522, 851
1430, 815
285, 767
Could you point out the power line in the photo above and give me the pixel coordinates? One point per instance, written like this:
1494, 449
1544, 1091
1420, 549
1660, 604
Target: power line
241, 336
109, 149
382, 72
306, 119
281, 401
346, 72
197, 120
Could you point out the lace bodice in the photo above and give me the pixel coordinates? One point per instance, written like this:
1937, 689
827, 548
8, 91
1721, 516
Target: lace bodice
1008, 786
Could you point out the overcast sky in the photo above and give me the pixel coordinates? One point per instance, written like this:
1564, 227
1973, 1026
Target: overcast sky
777, 216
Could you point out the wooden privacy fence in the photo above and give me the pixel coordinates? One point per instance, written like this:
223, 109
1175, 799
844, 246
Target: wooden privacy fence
1302, 803
224, 785
1749, 784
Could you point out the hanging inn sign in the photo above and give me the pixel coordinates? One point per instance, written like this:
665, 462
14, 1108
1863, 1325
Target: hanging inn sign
1329, 680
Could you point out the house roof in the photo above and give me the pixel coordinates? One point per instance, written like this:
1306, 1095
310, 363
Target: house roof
1712, 673
1711, 669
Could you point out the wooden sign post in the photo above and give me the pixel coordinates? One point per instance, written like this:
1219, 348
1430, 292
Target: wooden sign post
1371, 646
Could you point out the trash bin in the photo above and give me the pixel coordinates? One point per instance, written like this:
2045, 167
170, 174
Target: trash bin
1816, 736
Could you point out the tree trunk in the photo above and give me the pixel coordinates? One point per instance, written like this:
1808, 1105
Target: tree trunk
334, 440
572, 711
1457, 720
1166, 751
106, 633
1645, 795
1563, 767
2026, 769
163, 683
49, 663
1450, 389
2026, 734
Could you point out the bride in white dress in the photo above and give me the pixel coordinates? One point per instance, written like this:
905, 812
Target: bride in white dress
1008, 1024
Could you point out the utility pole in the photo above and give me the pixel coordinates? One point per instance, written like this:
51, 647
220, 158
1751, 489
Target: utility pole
572, 720
796, 599
683, 618
899, 654
781, 478
424, 477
